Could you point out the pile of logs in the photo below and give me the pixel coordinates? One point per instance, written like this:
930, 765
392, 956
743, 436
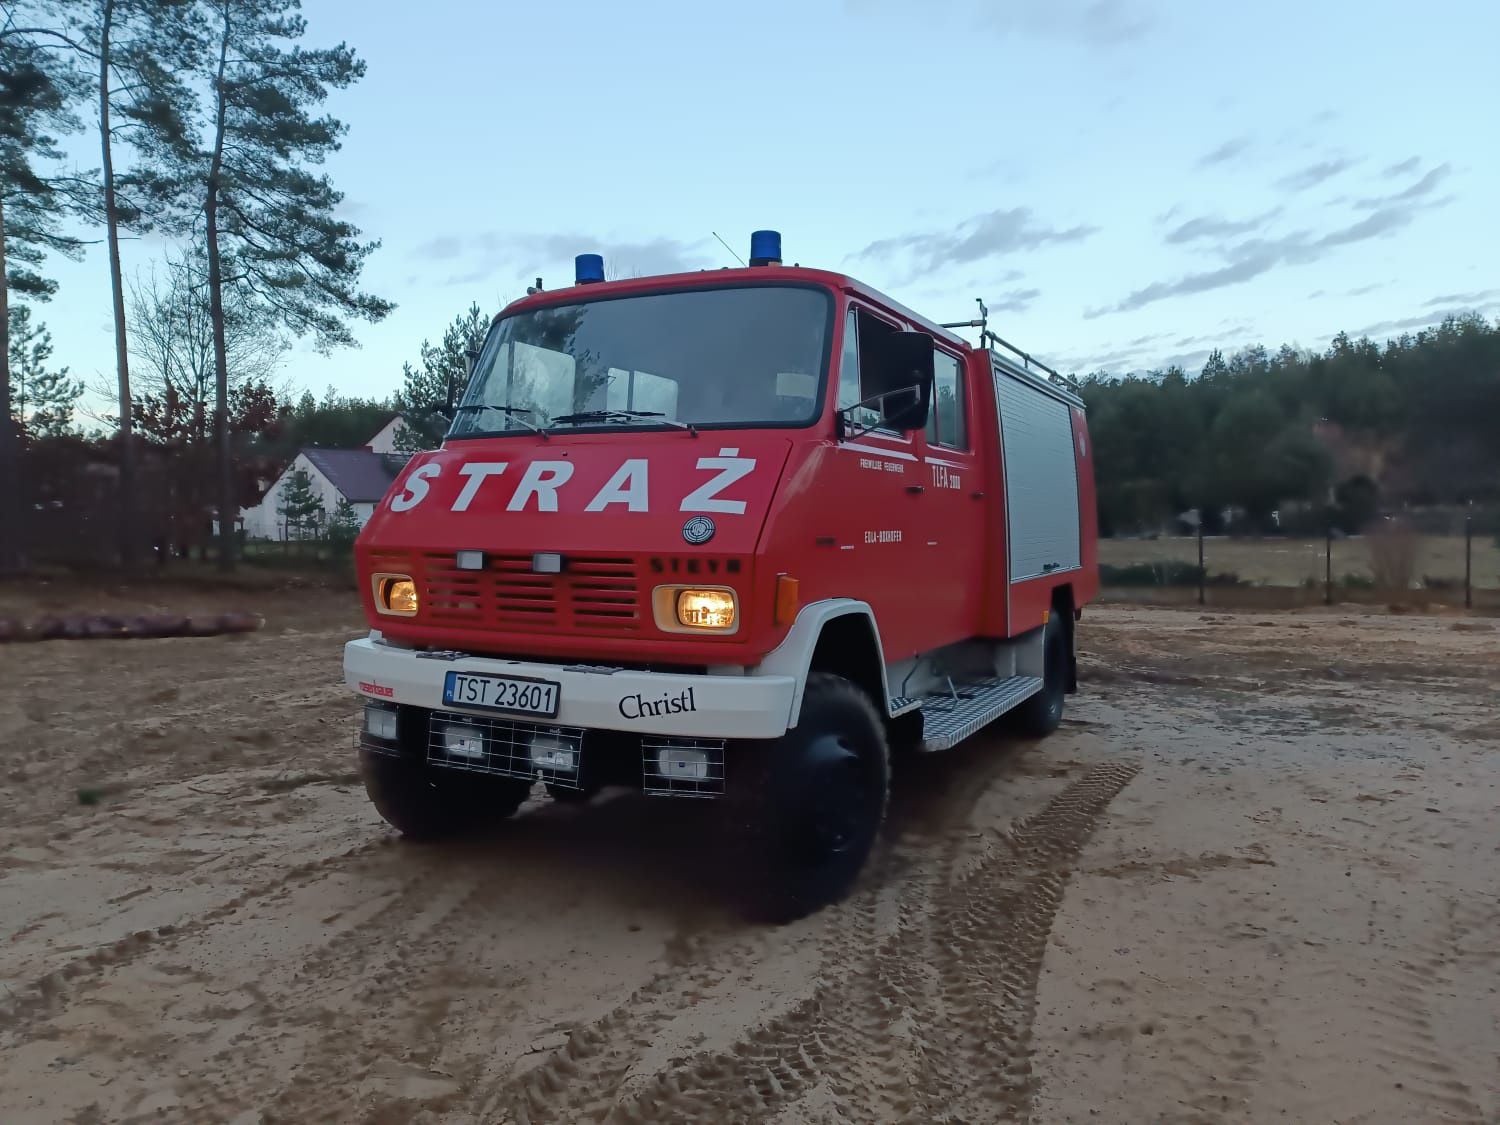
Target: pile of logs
105, 626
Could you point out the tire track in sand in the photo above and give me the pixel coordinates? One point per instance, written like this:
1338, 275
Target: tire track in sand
943, 1006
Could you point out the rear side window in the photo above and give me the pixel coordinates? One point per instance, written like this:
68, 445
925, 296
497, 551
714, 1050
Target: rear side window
947, 424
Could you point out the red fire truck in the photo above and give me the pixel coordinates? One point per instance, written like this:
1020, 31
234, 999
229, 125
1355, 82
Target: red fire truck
736, 534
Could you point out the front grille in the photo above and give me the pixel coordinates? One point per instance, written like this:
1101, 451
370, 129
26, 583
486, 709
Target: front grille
601, 596
503, 747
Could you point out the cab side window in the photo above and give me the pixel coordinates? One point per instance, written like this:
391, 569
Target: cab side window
947, 423
861, 333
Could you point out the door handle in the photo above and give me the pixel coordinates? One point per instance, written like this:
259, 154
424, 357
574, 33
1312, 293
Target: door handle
915, 489
976, 496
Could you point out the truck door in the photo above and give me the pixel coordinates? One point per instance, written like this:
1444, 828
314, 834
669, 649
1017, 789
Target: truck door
875, 488
952, 509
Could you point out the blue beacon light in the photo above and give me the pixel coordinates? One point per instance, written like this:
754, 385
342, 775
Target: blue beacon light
588, 269
765, 248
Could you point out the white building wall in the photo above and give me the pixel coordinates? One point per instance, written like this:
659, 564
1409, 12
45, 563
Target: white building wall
385, 440
264, 521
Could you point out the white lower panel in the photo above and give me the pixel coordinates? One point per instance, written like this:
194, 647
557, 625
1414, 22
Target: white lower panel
594, 699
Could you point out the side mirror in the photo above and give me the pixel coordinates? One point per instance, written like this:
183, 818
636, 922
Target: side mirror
906, 380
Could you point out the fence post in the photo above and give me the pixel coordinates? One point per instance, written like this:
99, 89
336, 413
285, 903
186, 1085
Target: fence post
1202, 581
1328, 561
1469, 562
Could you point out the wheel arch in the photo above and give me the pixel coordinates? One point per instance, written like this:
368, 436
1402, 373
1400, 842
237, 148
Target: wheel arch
837, 636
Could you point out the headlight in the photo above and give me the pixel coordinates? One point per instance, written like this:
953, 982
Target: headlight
396, 595
706, 609
695, 609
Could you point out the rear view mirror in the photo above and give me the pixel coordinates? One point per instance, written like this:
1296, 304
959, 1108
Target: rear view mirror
906, 374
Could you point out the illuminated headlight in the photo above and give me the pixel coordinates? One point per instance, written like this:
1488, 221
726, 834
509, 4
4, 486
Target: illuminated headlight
706, 609
683, 765
396, 595
380, 722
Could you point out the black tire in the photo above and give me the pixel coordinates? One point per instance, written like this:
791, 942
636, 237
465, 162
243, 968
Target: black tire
808, 807
1040, 715
423, 803
565, 795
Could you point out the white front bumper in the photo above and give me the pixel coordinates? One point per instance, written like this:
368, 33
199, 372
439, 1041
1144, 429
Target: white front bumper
590, 698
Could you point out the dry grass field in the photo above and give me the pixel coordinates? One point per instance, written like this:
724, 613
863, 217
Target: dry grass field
1291, 562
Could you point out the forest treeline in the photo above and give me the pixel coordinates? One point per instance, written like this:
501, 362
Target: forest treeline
1288, 440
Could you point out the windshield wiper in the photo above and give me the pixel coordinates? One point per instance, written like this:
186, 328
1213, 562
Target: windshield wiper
517, 412
625, 416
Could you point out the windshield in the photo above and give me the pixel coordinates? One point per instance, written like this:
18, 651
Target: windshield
743, 357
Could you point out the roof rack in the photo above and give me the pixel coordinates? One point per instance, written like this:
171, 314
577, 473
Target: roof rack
988, 339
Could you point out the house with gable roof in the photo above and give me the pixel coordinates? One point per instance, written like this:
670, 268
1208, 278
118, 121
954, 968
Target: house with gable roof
361, 476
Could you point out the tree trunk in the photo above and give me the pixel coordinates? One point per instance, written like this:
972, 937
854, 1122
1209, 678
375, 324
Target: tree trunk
126, 508
228, 508
12, 506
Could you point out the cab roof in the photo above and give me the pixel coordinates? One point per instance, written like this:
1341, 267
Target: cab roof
747, 275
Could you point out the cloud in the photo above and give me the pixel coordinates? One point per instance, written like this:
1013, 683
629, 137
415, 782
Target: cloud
974, 240
1225, 152
1427, 320
1461, 298
1017, 300
1094, 23
1314, 174
491, 253
1404, 168
1423, 188
1255, 257
1209, 226
1365, 289
443, 248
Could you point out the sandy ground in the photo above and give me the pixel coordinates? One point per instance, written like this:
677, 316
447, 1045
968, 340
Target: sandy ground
1254, 878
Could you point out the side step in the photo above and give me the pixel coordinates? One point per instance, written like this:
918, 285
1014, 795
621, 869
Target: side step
947, 721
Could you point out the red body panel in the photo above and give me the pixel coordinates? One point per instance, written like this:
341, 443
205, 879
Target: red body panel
917, 532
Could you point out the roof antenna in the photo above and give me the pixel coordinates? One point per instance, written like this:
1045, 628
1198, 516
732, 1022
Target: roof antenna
726, 246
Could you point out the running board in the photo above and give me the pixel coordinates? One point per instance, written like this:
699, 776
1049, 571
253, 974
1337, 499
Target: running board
947, 721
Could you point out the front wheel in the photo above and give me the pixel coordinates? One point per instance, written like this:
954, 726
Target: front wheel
809, 805
423, 803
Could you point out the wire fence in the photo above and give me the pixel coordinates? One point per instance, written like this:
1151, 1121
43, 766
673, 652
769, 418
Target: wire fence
1390, 564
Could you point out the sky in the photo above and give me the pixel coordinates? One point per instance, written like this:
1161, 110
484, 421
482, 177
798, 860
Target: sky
1125, 183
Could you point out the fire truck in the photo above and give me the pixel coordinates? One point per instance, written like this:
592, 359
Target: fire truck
741, 535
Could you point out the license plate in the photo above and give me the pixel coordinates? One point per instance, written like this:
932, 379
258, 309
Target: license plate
515, 694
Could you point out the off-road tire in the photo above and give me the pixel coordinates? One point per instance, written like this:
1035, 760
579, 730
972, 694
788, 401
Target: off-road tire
807, 807
423, 803
564, 795
1040, 715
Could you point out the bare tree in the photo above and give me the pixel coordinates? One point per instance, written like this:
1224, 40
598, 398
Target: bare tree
172, 337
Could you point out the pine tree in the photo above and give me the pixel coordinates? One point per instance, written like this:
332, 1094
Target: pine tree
300, 509
343, 527
428, 391
270, 219
139, 53
42, 399
38, 83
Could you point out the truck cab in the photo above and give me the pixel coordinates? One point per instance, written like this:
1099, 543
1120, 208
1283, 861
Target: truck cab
734, 535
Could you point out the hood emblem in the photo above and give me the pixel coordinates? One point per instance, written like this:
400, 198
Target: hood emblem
698, 530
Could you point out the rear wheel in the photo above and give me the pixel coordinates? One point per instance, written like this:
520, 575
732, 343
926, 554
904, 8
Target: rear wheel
809, 805
1040, 715
424, 803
